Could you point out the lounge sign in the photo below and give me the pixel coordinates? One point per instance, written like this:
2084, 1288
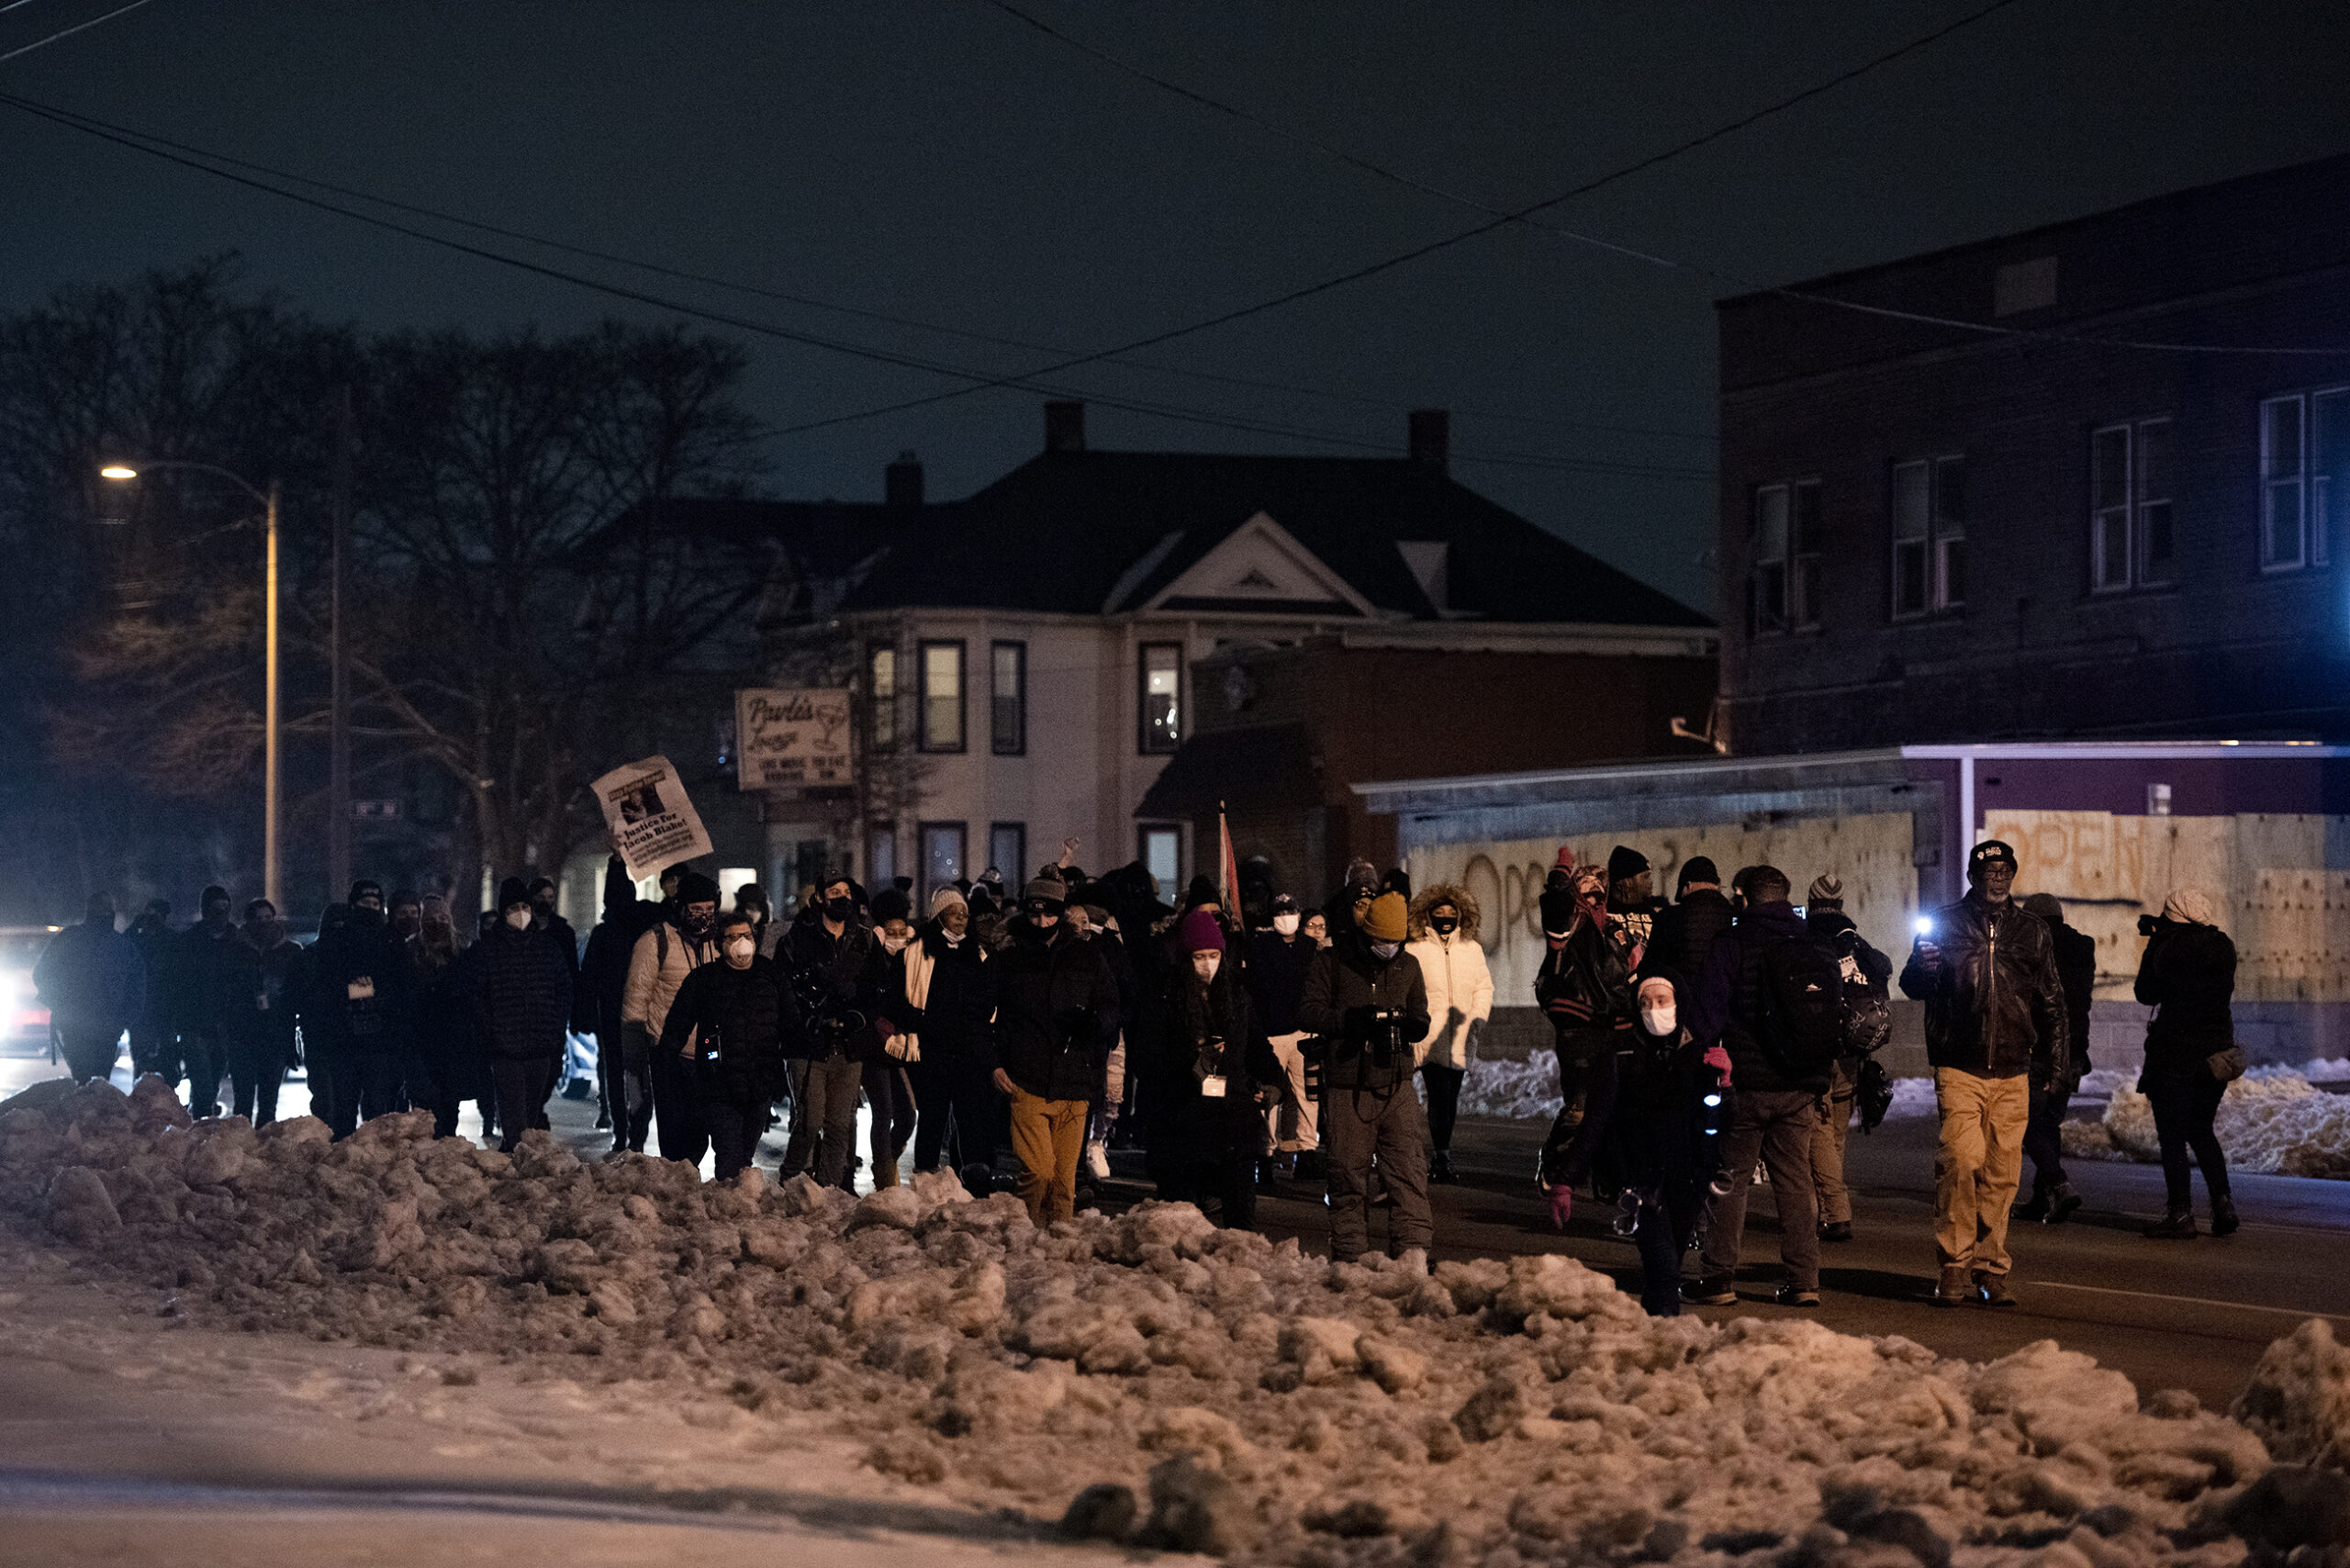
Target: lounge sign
792, 740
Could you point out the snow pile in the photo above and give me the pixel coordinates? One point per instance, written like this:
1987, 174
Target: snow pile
1525, 1090
2272, 1121
1149, 1377
1912, 1097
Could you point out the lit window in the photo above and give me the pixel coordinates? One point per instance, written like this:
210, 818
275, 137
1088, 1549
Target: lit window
942, 697
1162, 696
883, 713
1928, 535
1162, 856
1008, 700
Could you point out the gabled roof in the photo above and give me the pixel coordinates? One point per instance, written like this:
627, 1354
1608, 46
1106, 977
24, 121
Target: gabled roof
1104, 532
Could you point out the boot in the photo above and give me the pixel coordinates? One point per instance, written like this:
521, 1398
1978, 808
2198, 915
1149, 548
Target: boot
885, 1174
2064, 1203
2035, 1207
1991, 1289
2176, 1226
1954, 1289
2223, 1215
1440, 1168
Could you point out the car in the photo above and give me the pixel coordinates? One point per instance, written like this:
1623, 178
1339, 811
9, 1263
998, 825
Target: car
23, 1020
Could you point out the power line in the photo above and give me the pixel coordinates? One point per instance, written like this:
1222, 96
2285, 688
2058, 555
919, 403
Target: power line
68, 32
1632, 253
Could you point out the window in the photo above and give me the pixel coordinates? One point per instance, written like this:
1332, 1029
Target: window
2304, 477
1786, 557
1008, 704
2131, 537
942, 697
942, 857
882, 712
1008, 852
1162, 856
881, 856
1928, 535
1162, 696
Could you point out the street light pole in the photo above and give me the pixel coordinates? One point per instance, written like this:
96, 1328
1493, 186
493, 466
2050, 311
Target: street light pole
272, 877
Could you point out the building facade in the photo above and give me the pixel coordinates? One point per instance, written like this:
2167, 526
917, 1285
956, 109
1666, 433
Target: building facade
2092, 480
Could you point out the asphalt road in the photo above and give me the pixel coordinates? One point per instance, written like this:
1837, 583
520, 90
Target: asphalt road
2193, 1314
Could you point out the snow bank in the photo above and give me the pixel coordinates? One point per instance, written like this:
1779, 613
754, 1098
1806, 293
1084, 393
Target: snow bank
1526, 1090
1149, 1377
2272, 1121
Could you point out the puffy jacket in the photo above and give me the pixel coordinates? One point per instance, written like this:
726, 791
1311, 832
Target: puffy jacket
738, 1022
657, 966
1726, 1003
522, 995
1056, 1011
1995, 1004
90, 978
1344, 986
2188, 976
1683, 935
1275, 976
1460, 995
953, 1022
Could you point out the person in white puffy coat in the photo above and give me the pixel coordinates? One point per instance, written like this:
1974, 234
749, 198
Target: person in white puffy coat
1460, 1001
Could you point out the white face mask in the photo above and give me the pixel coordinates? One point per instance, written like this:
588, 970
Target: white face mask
893, 944
739, 950
1659, 1021
520, 918
1286, 924
1205, 963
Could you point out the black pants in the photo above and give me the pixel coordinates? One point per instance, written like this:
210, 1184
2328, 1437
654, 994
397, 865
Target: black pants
677, 1108
89, 1053
823, 1119
256, 1068
521, 1089
2044, 1137
208, 1063
734, 1128
1443, 1085
631, 1086
151, 1050
431, 1083
891, 1095
2185, 1107
957, 1097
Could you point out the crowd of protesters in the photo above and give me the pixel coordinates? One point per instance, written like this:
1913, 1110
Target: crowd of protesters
1705, 1044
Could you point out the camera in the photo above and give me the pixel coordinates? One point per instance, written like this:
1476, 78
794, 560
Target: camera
1386, 1045
2149, 924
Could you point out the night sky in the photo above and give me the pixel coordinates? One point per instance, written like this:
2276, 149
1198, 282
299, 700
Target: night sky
937, 160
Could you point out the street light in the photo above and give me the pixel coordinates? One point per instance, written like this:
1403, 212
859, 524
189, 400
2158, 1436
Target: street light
271, 879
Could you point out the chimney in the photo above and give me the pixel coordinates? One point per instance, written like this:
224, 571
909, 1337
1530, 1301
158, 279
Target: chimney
902, 483
1064, 426
1432, 438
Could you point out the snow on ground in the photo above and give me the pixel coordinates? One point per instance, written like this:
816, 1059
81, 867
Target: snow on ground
2273, 1121
1155, 1380
1530, 1089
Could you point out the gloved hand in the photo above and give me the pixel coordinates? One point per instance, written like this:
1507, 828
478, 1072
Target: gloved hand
1717, 1057
1562, 1205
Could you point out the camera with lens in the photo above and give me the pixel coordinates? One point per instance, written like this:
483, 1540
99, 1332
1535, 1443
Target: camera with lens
2149, 924
1385, 1043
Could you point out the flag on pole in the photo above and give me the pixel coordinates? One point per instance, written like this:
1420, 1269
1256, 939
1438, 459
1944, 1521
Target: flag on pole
1227, 864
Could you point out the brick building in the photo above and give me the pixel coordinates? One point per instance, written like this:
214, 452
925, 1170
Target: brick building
2046, 524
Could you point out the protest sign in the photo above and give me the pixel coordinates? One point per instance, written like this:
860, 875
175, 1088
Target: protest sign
653, 823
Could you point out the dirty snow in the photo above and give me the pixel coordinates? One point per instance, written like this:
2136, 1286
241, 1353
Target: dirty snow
1530, 1090
1147, 1377
2273, 1121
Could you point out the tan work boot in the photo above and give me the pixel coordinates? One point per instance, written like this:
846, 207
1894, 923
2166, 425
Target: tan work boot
1954, 1289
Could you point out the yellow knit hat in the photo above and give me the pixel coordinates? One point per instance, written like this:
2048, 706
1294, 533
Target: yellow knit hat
1387, 919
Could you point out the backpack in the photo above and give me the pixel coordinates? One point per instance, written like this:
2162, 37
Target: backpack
1868, 1012
1802, 1026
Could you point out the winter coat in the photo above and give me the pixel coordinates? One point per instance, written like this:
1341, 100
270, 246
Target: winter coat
1683, 935
1995, 1004
281, 987
2188, 976
2076, 967
158, 950
1210, 1033
1726, 1003
357, 990
556, 929
1056, 1011
657, 966
92, 979
444, 1013
1835, 931
737, 1021
207, 981
1345, 985
522, 996
841, 982
1460, 982
953, 1021
1587, 969
1274, 973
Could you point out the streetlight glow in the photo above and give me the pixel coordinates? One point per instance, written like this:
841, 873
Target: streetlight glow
118, 471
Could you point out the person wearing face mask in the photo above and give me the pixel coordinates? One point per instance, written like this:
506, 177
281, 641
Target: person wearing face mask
727, 1026
941, 1000
209, 983
625, 1104
260, 1037
442, 1059
92, 982
664, 955
841, 972
1460, 1003
1584, 984
1057, 1014
359, 996
1668, 1096
520, 1004
1996, 1023
887, 1088
1356, 890
1212, 1073
1275, 976
1366, 1000
405, 915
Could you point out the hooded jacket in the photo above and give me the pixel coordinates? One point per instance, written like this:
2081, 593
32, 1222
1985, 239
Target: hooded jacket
91, 978
603, 968
1056, 1011
1995, 1004
1460, 982
1344, 986
1683, 935
522, 995
1727, 1004
2188, 976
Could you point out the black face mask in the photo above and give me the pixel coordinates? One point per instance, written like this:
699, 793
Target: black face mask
1444, 925
698, 926
840, 909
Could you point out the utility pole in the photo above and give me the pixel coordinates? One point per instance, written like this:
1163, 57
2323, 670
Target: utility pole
339, 658
272, 885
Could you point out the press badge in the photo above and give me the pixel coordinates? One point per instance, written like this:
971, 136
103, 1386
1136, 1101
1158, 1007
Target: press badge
363, 988
1212, 1086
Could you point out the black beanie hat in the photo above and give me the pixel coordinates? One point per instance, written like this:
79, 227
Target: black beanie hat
512, 891
889, 904
1699, 868
692, 887
363, 886
216, 893
1624, 862
1557, 911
